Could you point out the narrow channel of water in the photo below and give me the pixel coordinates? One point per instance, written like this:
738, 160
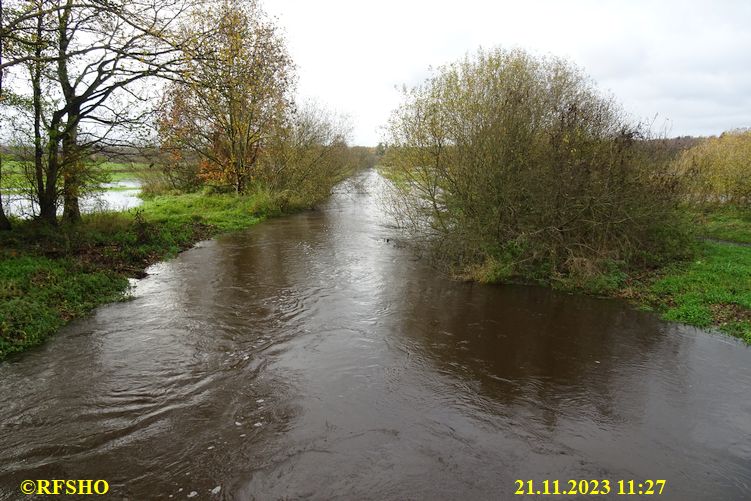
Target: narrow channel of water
311, 357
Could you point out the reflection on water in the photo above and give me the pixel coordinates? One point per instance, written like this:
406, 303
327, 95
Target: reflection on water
116, 196
311, 358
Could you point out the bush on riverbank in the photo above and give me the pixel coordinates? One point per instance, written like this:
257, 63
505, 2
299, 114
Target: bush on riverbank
512, 167
49, 276
299, 169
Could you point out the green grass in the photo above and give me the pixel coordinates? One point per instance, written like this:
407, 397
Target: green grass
224, 212
712, 290
727, 223
120, 188
117, 171
51, 275
39, 294
13, 172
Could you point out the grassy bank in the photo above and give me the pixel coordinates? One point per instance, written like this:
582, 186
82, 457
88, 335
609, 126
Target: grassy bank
117, 171
50, 276
714, 288
730, 224
711, 289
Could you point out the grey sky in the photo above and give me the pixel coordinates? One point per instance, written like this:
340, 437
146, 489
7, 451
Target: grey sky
688, 62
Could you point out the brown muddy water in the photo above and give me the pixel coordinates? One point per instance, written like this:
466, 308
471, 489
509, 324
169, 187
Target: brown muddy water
312, 358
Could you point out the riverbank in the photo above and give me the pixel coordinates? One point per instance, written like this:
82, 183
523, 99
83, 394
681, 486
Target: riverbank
322, 332
710, 290
49, 277
714, 288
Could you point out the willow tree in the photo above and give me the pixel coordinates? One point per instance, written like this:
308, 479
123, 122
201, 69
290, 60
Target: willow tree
512, 164
234, 95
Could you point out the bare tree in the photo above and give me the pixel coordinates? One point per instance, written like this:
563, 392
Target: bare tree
96, 56
307, 157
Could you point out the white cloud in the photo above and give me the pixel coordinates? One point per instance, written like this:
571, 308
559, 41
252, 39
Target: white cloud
689, 62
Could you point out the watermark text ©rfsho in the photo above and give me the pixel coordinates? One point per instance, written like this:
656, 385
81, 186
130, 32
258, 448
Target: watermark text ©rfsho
69, 487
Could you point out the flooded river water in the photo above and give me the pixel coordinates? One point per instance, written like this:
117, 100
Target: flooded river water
114, 196
311, 357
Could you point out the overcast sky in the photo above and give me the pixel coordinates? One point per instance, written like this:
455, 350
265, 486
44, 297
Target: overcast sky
688, 62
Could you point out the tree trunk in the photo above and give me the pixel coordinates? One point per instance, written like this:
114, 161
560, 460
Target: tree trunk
4, 222
71, 177
45, 182
71, 207
47, 194
71, 161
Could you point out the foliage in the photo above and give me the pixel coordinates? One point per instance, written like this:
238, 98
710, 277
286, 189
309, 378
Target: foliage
170, 174
223, 212
508, 161
235, 93
81, 71
720, 169
38, 294
231, 121
305, 159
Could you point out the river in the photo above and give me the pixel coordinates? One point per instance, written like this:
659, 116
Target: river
314, 357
